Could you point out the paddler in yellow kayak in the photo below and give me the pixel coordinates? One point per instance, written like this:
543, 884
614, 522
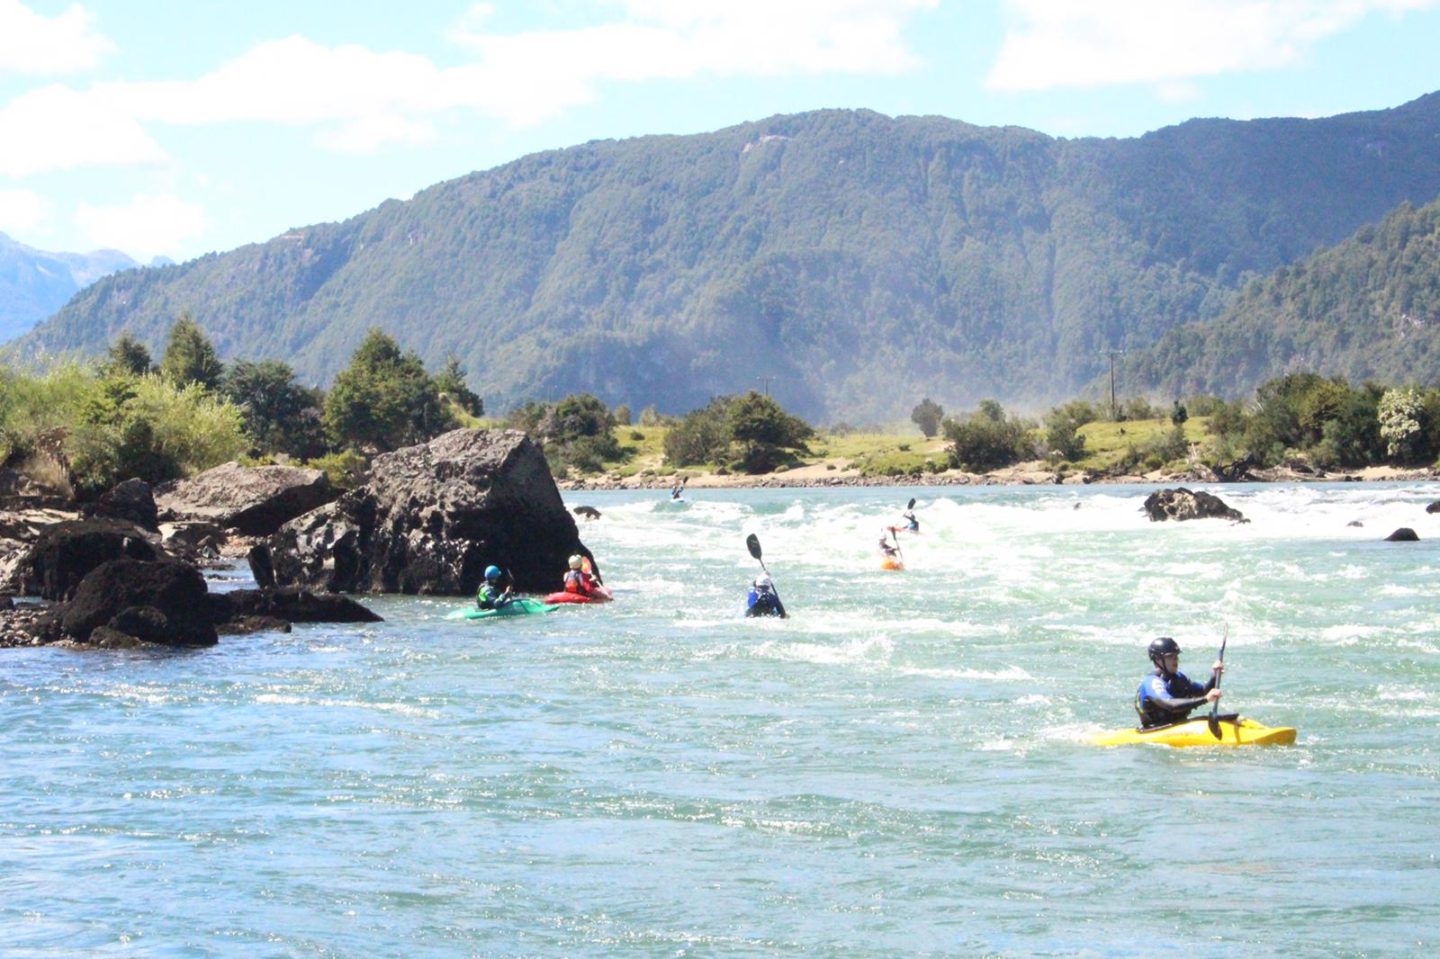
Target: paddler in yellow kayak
1167, 695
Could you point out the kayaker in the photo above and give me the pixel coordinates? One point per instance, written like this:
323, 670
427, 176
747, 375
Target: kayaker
677, 491
490, 595
911, 523
762, 599
1167, 695
886, 549
578, 579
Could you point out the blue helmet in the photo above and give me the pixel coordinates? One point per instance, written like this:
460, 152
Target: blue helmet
492, 572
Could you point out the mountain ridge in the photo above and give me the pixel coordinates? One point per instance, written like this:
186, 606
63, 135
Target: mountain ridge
848, 258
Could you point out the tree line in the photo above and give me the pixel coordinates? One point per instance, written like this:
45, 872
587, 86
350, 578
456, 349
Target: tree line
94, 425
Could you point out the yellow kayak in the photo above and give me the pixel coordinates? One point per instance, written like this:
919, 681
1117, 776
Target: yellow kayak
890, 562
1196, 732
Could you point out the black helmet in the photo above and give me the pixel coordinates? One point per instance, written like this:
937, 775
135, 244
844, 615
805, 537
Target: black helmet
1162, 646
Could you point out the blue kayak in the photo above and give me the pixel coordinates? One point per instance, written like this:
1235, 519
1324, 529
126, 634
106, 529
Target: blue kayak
519, 607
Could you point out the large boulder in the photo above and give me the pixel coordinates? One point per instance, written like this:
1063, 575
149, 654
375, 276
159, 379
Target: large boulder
160, 602
255, 500
132, 501
64, 554
430, 519
1182, 504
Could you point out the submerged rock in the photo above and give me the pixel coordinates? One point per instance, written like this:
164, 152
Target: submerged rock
430, 519
1403, 535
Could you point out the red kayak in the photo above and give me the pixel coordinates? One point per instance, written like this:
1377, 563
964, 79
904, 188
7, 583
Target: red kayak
601, 595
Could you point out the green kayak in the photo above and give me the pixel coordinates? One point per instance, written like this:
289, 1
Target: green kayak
520, 607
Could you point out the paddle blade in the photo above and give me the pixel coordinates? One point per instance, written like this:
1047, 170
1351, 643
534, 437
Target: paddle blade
1214, 726
911, 504
1215, 706
752, 543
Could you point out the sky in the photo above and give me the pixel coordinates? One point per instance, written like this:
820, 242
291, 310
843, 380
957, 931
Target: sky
179, 127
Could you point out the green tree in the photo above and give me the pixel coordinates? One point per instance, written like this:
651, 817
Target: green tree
1062, 429
189, 356
1400, 415
987, 439
701, 436
928, 415
384, 399
768, 436
127, 355
451, 382
281, 416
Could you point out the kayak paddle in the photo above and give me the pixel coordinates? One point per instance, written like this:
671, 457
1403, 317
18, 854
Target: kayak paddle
1215, 706
896, 540
911, 504
752, 543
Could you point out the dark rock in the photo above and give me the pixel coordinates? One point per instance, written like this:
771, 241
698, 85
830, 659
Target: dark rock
589, 512
1182, 504
292, 604
1433, 507
195, 539
147, 624
65, 554
131, 501
431, 518
260, 566
1236, 471
254, 500
1403, 535
1356, 522
243, 625
175, 590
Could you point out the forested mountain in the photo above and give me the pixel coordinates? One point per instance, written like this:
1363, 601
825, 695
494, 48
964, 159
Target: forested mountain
34, 284
852, 261
1367, 308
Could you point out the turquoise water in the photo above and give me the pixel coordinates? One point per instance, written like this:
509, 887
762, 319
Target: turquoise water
899, 769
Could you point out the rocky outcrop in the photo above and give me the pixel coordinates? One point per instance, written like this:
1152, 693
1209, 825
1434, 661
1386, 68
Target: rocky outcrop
1403, 535
1182, 504
255, 500
430, 519
64, 554
161, 602
131, 501
19, 530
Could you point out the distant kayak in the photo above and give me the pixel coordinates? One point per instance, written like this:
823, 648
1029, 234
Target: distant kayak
520, 607
601, 595
1196, 732
890, 562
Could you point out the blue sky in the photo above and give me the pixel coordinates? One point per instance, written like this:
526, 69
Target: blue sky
178, 127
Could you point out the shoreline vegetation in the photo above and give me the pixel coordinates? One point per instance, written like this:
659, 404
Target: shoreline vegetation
80, 428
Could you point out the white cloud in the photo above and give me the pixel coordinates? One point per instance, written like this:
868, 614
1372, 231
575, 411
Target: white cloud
33, 44
528, 77
56, 128
150, 224
358, 100
1061, 43
21, 210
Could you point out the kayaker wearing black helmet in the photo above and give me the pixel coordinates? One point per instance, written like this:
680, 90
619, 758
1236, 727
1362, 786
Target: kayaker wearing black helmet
1167, 695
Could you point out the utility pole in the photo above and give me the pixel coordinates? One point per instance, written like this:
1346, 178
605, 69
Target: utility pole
1114, 410
765, 383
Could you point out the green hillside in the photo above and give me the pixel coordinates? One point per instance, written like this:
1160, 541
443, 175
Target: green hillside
850, 261
1367, 308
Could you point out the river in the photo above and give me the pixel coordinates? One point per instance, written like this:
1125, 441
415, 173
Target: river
900, 768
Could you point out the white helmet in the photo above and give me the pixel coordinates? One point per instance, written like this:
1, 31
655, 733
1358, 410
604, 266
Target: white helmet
575, 561
764, 583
